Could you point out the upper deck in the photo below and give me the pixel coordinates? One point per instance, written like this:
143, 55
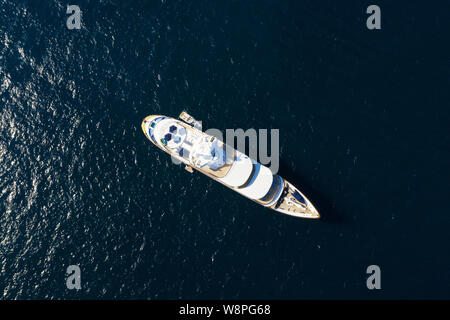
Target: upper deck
190, 145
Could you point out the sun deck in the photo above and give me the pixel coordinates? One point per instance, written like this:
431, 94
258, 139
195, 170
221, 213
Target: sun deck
185, 145
225, 168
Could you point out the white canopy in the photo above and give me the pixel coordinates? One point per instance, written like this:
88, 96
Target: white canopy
260, 184
239, 172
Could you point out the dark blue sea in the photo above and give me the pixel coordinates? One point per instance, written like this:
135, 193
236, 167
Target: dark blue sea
363, 118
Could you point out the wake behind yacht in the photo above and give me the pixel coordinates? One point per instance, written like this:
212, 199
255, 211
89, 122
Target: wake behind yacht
184, 140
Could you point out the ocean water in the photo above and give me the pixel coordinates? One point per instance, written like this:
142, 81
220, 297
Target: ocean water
363, 118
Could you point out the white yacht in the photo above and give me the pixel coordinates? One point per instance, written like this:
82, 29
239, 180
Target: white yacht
184, 140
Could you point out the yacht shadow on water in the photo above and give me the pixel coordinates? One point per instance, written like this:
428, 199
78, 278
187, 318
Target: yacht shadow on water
327, 209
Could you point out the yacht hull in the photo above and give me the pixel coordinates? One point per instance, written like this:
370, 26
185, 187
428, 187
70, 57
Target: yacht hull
270, 191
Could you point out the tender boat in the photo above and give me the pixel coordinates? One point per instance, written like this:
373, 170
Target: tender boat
184, 140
